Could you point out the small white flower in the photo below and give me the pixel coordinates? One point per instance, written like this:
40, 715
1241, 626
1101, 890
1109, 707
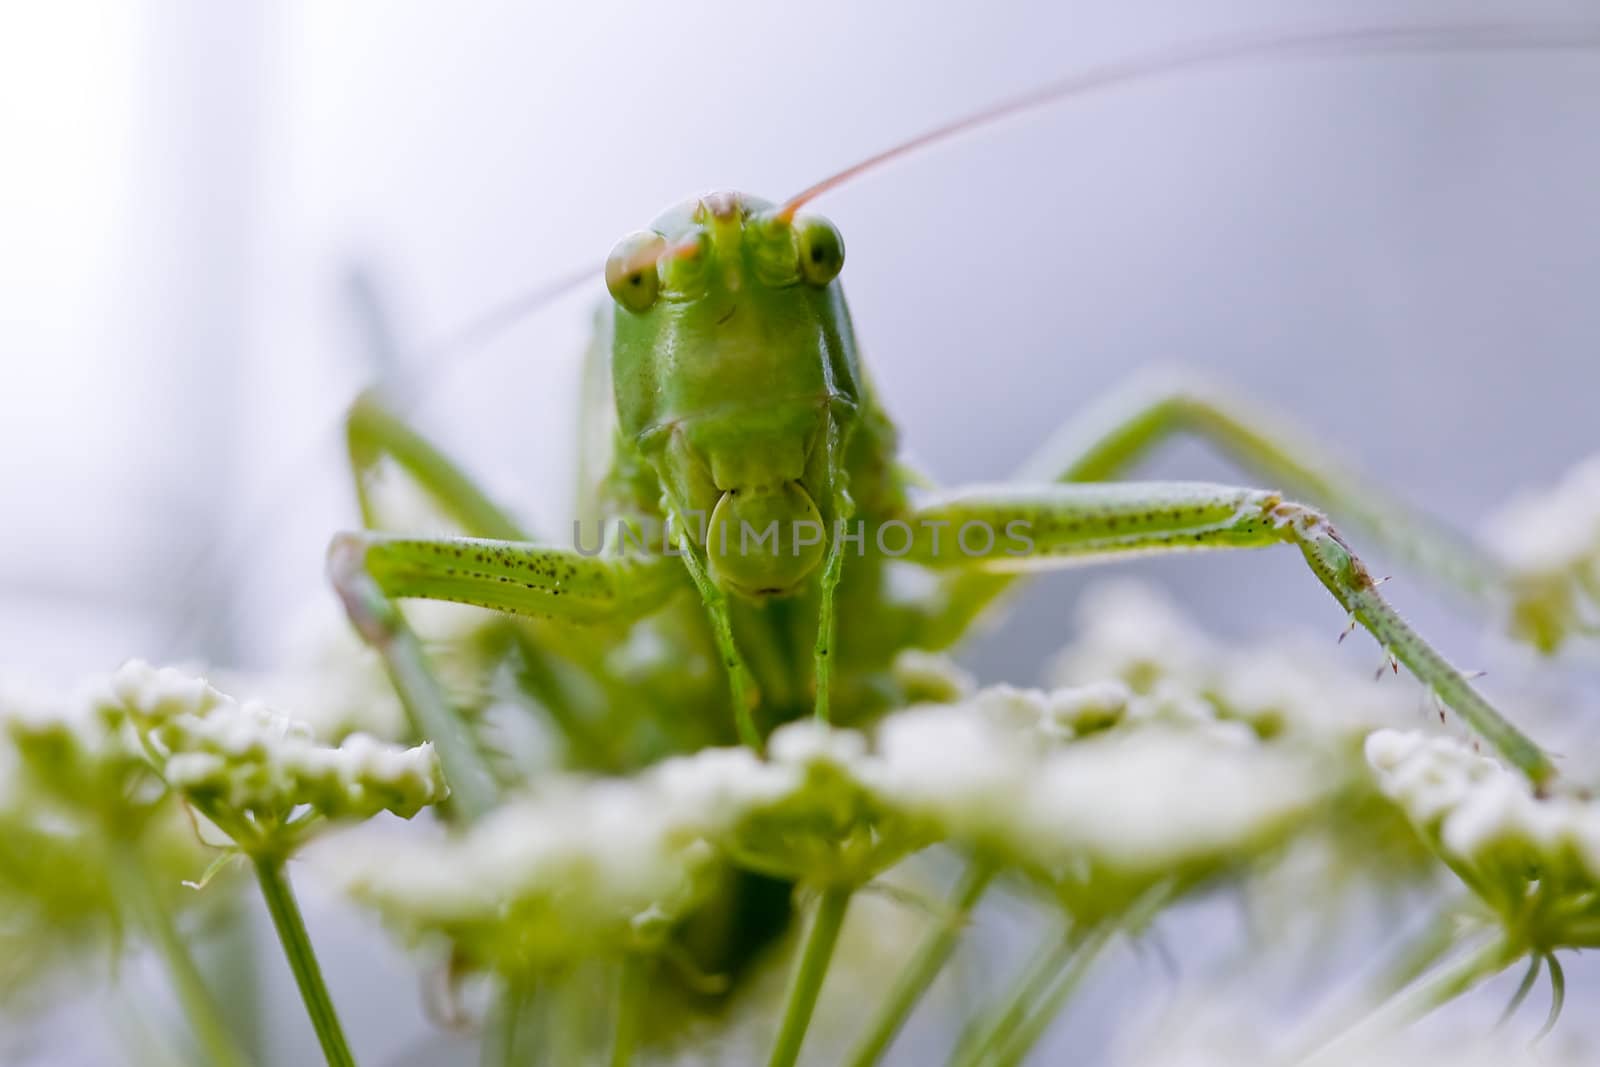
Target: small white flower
1484, 817
931, 676
1430, 776
711, 790
808, 743
956, 767
160, 694
1088, 708
1500, 812
249, 768
1156, 800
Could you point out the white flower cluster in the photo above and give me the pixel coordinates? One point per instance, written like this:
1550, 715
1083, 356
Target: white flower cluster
1487, 823
931, 676
1550, 541
242, 760
587, 865
61, 745
580, 869
1151, 798
1298, 686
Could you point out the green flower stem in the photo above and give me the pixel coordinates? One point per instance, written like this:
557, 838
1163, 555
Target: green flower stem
503, 1045
1410, 962
1017, 1044
1056, 974
235, 965
133, 1012
1421, 998
923, 967
1030, 985
1445, 986
806, 982
565, 1014
630, 993
199, 1006
291, 927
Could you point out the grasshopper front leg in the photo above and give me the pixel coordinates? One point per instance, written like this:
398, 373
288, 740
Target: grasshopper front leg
370, 571
1014, 529
374, 433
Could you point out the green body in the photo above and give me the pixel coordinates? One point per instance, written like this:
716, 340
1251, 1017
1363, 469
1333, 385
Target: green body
738, 393
741, 403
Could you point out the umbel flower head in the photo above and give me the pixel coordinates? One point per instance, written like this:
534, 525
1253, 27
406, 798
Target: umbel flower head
1093, 791
259, 775
1533, 860
579, 870
601, 867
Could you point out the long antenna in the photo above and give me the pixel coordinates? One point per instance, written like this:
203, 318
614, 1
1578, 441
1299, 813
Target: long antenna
1363, 40
489, 324
1369, 40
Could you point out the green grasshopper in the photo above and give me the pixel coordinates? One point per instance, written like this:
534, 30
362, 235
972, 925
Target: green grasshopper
727, 378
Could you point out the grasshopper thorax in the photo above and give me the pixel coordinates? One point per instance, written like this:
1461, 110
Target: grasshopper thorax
735, 377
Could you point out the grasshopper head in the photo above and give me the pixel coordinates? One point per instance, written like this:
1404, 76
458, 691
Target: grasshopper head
732, 358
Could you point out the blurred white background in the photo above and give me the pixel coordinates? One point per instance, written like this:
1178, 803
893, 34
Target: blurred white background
1403, 252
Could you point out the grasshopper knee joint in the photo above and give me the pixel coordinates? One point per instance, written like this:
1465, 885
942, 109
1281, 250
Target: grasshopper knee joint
370, 612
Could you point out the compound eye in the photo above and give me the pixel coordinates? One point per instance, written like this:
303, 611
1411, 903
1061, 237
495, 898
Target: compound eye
631, 273
821, 251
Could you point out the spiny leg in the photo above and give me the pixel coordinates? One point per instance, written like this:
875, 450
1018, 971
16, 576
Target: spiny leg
1021, 529
832, 570
1105, 442
843, 507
